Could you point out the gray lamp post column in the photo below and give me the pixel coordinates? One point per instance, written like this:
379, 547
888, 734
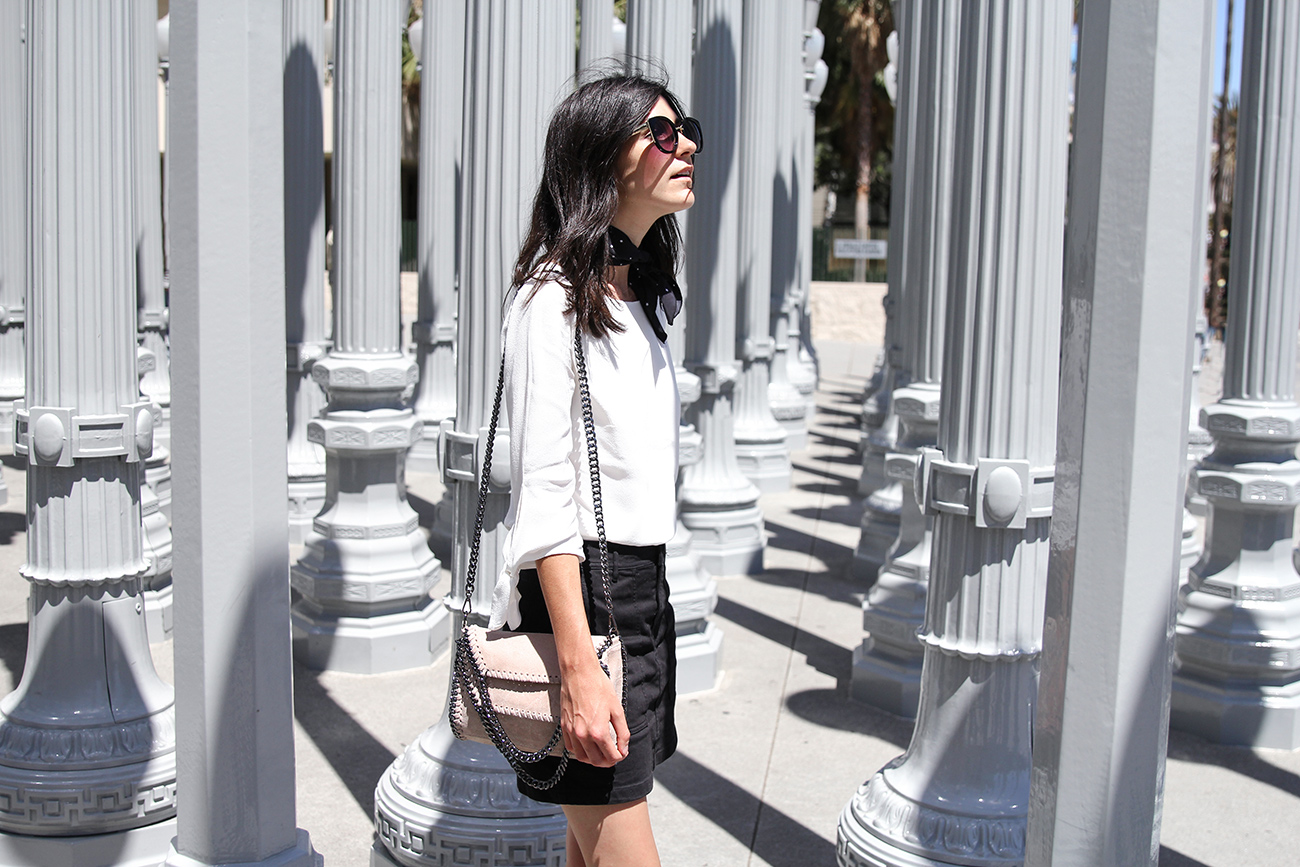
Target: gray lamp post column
234, 691
304, 254
13, 220
959, 794
365, 577
887, 666
882, 510
789, 405
151, 299
1238, 674
443, 797
88, 737
434, 330
760, 442
719, 505
596, 34
1138, 172
800, 362
659, 40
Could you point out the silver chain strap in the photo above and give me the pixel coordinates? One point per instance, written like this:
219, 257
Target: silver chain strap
465, 667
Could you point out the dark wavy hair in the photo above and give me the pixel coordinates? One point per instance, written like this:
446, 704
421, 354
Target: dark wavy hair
578, 195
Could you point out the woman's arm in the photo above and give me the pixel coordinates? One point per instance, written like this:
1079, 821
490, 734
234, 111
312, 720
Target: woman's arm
591, 713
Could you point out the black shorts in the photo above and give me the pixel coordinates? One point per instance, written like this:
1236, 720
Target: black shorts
645, 622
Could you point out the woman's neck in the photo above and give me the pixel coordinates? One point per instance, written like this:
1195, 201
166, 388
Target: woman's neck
616, 279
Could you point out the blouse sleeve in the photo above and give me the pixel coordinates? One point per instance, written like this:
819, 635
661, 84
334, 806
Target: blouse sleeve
540, 383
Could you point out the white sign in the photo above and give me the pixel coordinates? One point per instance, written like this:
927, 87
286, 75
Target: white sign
860, 248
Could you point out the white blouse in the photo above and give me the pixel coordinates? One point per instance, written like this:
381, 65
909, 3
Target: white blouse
635, 407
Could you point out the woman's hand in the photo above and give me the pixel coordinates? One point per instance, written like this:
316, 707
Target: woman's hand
591, 715
591, 712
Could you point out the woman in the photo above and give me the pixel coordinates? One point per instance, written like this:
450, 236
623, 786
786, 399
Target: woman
599, 256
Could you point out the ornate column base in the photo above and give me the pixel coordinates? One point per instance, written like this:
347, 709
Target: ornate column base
790, 409
693, 595
880, 527
138, 847
301, 854
423, 456
1191, 549
1251, 715
880, 443
7, 424
727, 541
157, 584
761, 452
887, 665
445, 801
766, 462
937, 804
369, 645
306, 500
158, 476
876, 400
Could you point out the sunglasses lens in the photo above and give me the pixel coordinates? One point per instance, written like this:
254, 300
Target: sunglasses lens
664, 135
691, 129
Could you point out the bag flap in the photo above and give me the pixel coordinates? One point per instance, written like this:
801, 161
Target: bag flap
529, 657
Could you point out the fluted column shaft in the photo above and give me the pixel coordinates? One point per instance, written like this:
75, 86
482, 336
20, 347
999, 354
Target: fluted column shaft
151, 298
365, 577
719, 505
760, 442
887, 667
443, 795
960, 791
883, 508
1238, 677
1138, 171
596, 36
434, 330
789, 407
87, 739
802, 366
13, 220
304, 254
659, 42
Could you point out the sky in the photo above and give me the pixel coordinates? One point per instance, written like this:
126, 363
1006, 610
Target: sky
1220, 29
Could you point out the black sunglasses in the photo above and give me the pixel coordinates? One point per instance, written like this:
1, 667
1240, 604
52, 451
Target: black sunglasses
664, 132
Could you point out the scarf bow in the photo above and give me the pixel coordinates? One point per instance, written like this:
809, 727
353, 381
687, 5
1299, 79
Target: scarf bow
655, 290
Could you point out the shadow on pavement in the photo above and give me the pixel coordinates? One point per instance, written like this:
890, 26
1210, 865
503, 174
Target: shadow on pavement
13, 649
764, 830
354, 753
833, 554
1174, 858
825, 656
833, 709
1186, 747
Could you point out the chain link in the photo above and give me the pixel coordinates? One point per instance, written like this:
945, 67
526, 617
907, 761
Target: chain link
466, 670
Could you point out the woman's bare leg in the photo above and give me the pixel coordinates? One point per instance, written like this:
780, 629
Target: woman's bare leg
572, 852
617, 835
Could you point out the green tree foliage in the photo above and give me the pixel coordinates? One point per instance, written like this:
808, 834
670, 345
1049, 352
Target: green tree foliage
855, 119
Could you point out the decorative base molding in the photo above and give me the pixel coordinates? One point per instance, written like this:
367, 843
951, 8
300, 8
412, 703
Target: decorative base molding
7, 425
765, 463
423, 456
301, 854
882, 828
306, 499
449, 803
158, 476
1248, 715
138, 847
727, 542
699, 660
1191, 547
886, 682
873, 476
158, 613
56, 802
370, 645
880, 526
